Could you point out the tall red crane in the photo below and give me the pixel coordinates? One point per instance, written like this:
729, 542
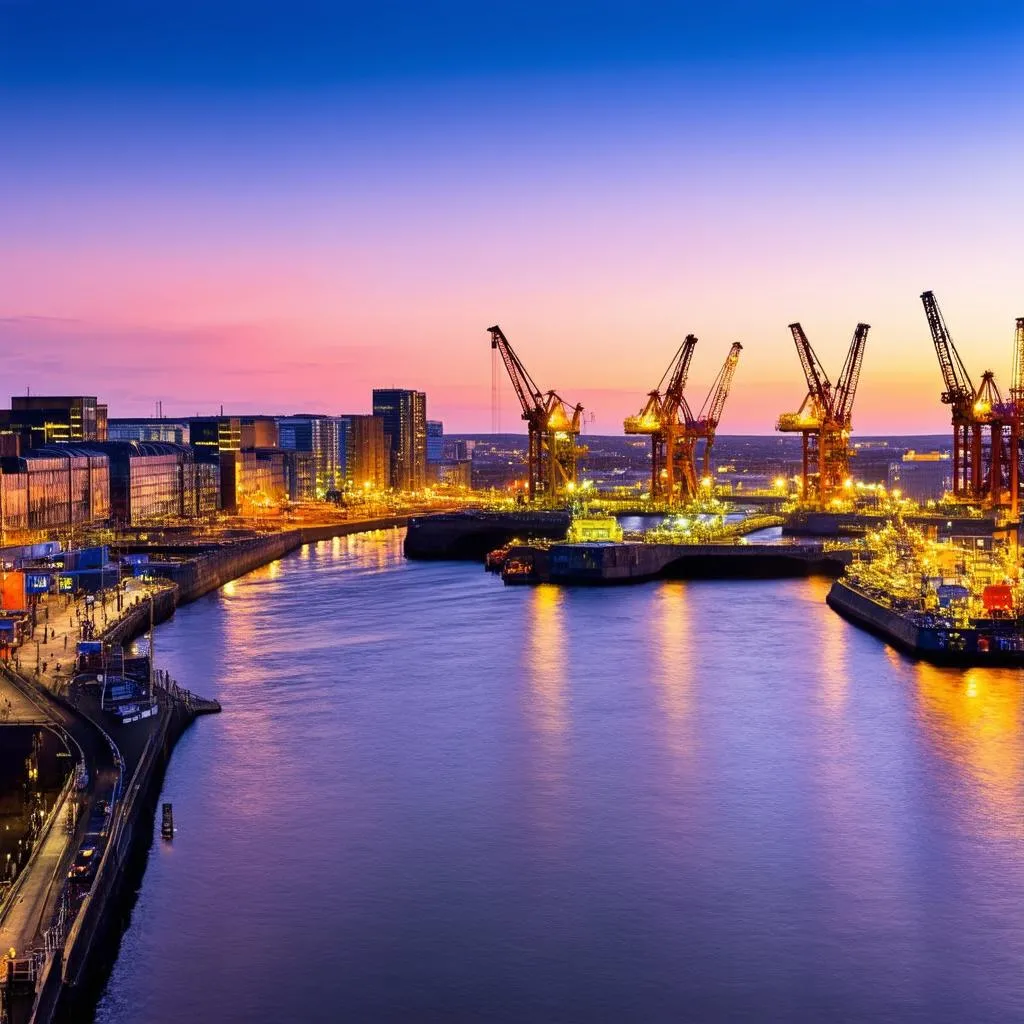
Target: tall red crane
704, 425
662, 419
825, 417
552, 428
1016, 407
983, 473
674, 430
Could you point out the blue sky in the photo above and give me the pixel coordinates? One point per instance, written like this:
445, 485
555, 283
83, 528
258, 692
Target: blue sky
332, 191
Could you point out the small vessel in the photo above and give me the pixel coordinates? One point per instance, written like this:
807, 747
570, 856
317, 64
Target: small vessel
167, 821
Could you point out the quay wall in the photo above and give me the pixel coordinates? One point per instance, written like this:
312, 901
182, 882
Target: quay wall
608, 564
106, 909
71, 982
469, 536
213, 568
862, 611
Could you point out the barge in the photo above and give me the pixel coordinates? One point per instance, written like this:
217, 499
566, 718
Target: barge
931, 636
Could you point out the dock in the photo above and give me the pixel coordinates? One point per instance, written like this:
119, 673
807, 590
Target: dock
610, 563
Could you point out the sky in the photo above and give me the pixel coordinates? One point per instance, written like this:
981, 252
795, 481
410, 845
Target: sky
276, 207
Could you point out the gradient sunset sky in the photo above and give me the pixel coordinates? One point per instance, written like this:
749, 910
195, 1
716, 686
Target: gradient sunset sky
278, 206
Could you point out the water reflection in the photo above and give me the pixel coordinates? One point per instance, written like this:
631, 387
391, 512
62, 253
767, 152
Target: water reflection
546, 664
974, 719
670, 626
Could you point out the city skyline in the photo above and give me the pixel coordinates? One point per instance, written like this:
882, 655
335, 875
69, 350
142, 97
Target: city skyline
261, 213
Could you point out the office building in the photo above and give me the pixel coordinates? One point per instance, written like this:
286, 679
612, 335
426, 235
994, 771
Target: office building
148, 429
318, 435
435, 440
53, 487
39, 420
405, 429
258, 432
366, 458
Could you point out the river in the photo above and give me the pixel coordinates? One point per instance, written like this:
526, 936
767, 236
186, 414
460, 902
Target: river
432, 797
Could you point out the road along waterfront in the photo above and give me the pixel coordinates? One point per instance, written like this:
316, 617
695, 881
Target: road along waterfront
434, 797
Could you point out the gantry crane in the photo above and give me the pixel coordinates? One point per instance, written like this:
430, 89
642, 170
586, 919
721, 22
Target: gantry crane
663, 419
825, 417
704, 425
552, 427
982, 473
1017, 421
675, 432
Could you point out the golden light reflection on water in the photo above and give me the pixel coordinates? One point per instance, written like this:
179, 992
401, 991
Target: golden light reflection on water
546, 662
670, 639
835, 640
974, 720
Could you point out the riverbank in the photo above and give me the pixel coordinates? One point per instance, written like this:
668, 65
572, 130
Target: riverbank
58, 981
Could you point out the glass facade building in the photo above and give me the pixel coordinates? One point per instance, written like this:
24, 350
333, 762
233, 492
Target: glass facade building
318, 435
40, 420
366, 458
54, 487
405, 427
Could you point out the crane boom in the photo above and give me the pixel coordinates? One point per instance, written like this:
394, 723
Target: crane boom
711, 411
849, 377
819, 387
529, 395
679, 370
959, 387
1017, 382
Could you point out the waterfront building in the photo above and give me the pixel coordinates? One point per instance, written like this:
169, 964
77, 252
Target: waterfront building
404, 414
435, 440
54, 487
155, 481
148, 429
318, 435
300, 475
922, 476
39, 420
366, 457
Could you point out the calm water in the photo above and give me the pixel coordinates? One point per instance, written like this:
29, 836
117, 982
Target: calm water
431, 797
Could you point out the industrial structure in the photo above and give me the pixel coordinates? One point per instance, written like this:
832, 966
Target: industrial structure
674, 430
986, 429
553, 427
824, 419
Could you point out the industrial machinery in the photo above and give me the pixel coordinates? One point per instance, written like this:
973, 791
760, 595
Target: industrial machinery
552, 425
674, 430
661, 419
704, 425
985, 470
824, 419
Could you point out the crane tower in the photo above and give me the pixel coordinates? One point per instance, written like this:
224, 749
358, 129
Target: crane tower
553, 428
825, 417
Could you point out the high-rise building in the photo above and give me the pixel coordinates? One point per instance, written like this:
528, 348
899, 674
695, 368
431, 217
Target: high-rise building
435, 440
405, 429
50, 419
366, 458
319, 435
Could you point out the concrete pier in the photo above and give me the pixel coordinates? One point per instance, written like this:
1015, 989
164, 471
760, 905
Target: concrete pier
634, 562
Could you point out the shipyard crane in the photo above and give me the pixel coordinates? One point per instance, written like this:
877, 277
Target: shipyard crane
704, 425
1017, 419
552, 428
984, 473
675, 431
662, 419
825, 417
